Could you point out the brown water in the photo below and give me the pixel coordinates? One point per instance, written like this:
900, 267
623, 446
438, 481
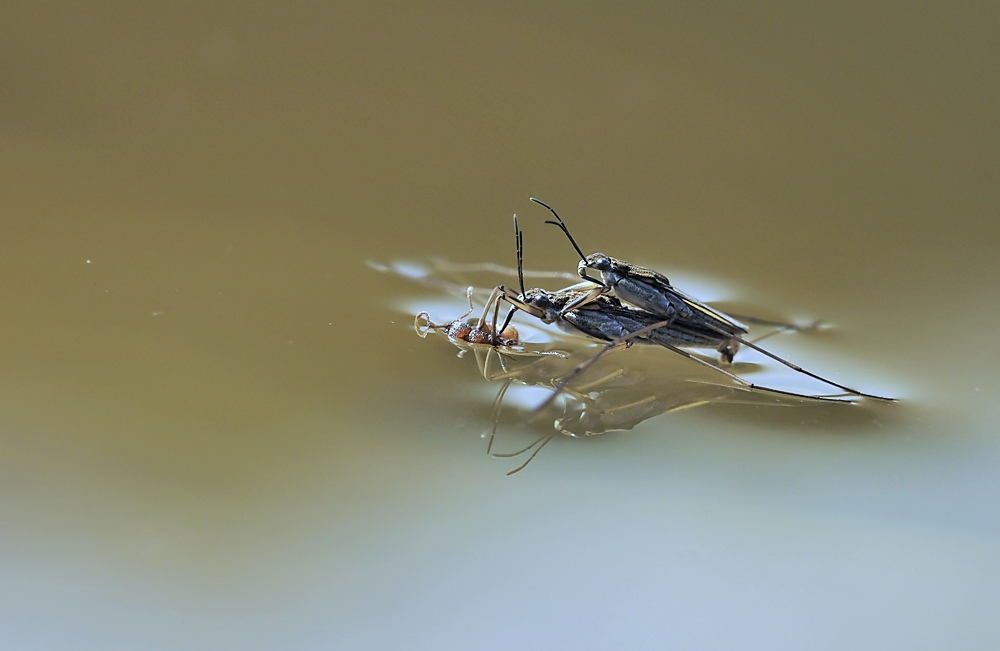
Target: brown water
219, 429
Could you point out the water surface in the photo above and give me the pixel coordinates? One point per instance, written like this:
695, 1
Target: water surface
219, 428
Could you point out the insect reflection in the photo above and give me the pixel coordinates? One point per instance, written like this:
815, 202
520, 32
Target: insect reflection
603, 397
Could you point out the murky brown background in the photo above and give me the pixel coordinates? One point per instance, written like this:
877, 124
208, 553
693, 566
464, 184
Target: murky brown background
218, 430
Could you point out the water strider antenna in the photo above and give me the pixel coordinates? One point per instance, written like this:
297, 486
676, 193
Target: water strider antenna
519, 246
561, 225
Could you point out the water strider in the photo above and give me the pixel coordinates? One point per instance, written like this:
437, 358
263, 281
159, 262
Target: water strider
603, 317
652, 292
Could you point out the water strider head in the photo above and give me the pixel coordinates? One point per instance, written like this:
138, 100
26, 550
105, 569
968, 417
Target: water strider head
541, 304
598, 262
612, 270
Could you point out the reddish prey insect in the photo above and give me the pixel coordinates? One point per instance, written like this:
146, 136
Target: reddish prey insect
479, 333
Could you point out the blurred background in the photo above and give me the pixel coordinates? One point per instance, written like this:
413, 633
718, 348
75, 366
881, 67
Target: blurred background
219, 430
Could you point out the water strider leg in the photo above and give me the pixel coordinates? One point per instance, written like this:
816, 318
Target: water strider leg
589, 297
796, 367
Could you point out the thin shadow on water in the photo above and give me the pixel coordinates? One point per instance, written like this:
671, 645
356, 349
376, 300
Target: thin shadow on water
623, 389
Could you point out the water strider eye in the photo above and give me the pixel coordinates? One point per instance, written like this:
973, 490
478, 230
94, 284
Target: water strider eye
537, 298
599, 261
